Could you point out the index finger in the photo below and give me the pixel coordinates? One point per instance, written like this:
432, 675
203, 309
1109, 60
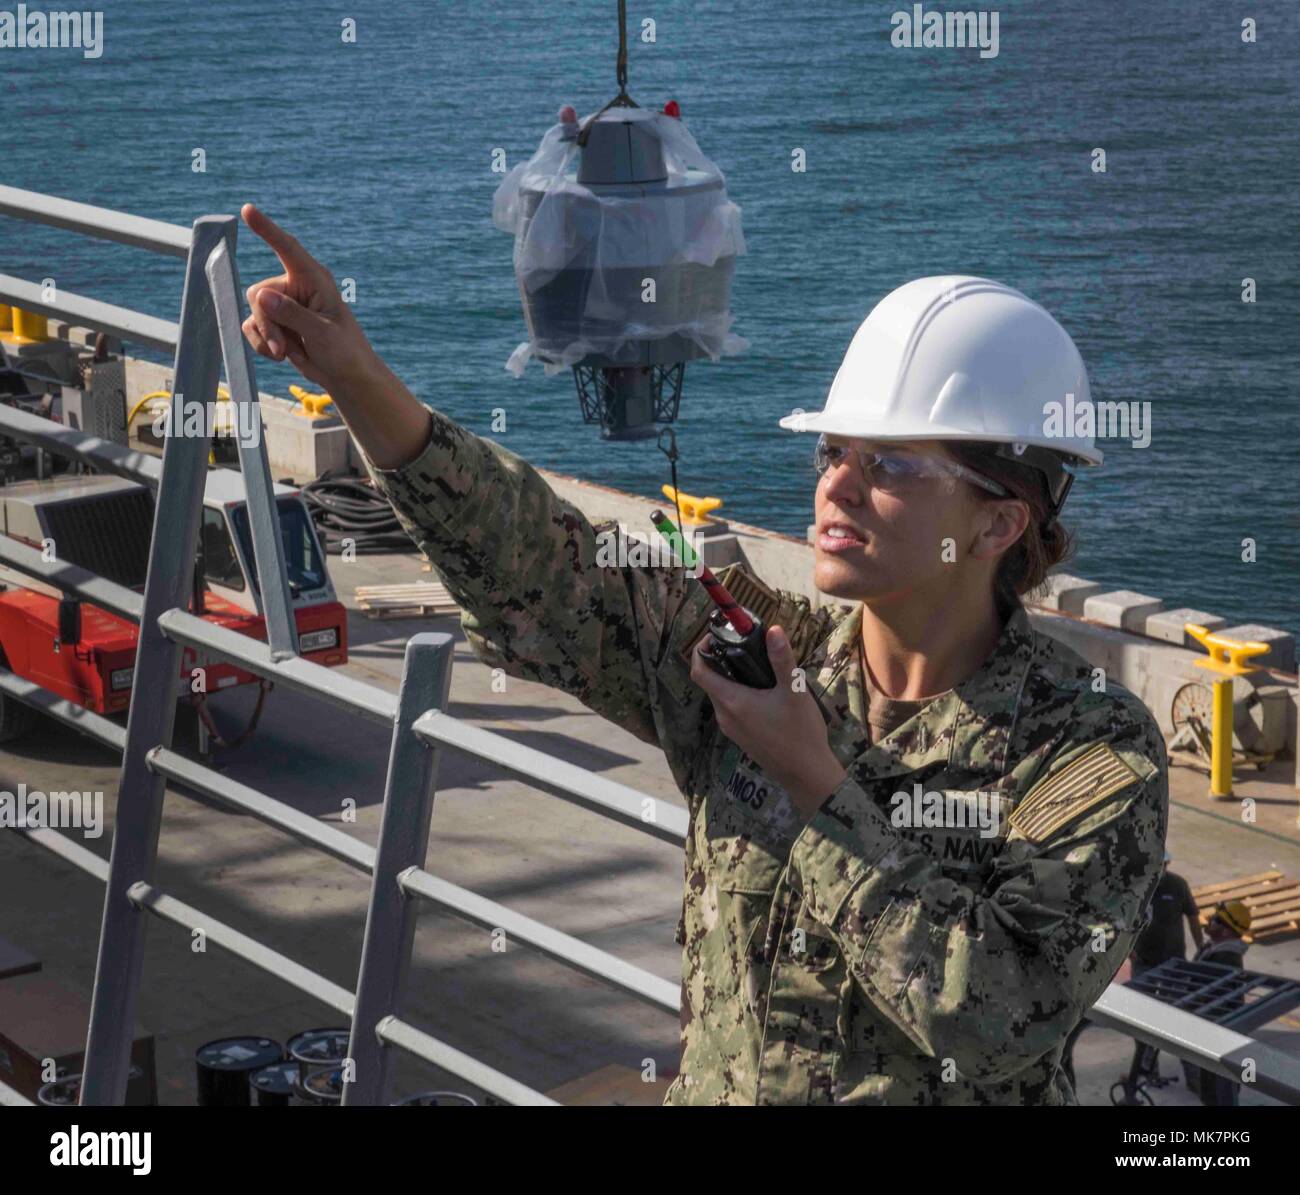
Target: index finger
287, 248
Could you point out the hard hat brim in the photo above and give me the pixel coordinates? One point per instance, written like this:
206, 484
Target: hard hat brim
830, 423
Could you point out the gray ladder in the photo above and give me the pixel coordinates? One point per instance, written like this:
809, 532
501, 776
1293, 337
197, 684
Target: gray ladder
209, 335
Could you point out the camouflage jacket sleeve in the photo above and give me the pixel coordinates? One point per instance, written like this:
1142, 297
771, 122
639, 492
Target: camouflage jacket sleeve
993, 977
545, 595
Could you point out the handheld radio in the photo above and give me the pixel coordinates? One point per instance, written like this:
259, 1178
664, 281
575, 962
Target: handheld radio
737, 646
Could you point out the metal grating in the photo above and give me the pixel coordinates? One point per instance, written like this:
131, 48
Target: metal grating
107, 534
1225, 995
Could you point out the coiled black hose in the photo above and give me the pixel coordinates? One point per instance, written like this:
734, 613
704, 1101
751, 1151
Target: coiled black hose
347, 509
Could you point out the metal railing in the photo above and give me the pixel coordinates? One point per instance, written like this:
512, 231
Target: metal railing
207, 336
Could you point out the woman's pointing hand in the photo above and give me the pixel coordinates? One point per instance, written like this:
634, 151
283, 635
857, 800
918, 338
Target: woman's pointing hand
300, 314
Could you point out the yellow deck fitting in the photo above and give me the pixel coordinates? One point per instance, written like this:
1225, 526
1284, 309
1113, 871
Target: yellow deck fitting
695, 511
313, 406
28, 326
6, 317
1226, 656
1227, 659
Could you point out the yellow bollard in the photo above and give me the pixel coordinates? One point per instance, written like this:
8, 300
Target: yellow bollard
6, 317
312, 405
29, 326
695, 511
1221, 741
1227, 658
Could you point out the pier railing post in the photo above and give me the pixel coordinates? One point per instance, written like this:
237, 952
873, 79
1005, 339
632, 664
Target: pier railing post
403, 841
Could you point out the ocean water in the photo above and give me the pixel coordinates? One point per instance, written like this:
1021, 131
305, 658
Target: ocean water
378, 155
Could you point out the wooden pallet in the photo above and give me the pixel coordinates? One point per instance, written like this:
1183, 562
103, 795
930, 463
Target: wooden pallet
421, 599
1272, 898
612, 1086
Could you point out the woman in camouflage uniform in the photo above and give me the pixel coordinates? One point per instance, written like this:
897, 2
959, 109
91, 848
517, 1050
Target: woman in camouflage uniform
911, 888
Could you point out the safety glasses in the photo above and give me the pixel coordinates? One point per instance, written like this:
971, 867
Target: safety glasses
897, 472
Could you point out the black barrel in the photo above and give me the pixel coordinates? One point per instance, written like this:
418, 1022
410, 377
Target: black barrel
66, 1089
62, 1093
225, 1066
436, 1099
273, 1085
318, 1049
323, 1087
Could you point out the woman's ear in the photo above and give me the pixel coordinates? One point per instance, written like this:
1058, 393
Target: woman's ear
1000, 524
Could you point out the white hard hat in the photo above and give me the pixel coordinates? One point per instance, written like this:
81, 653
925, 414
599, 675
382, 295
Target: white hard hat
960, 358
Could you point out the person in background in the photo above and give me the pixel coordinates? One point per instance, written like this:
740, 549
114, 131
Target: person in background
1226, 947
1163, 938
1226, 932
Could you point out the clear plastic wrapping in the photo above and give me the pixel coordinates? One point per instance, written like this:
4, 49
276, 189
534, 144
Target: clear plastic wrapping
627, 272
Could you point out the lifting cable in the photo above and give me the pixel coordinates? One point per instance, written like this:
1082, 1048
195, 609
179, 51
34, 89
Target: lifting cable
622, 100
622, 49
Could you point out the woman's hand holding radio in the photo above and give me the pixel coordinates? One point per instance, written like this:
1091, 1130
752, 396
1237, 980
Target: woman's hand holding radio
780, 729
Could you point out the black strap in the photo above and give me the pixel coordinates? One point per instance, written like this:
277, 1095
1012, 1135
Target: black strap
671, 453
1051, 464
